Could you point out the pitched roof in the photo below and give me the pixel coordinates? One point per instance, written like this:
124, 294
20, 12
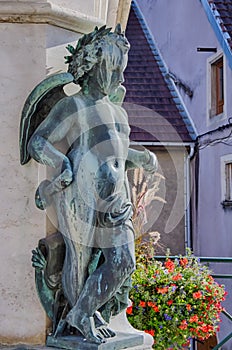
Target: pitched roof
219, 13
155, 110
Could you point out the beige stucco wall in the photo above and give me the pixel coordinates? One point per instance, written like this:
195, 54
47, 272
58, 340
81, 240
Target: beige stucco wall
33, 36
22, 57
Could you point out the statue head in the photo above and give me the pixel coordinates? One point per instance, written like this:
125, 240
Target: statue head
98, 54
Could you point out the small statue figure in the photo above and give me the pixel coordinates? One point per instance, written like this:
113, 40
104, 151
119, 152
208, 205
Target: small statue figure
83, 271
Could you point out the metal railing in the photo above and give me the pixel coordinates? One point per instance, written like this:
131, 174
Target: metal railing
211, 260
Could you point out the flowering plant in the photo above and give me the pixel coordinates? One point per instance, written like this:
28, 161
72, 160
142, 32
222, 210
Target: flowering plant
175, 300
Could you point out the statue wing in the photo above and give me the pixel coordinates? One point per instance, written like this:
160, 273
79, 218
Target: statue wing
37, 106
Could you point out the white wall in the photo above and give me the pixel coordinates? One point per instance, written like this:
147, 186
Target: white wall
22, 57
29, 51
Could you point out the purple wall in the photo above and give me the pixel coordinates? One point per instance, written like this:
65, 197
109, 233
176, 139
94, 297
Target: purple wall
179, 27
182, 27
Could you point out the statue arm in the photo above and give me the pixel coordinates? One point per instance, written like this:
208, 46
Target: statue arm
141, 159
53, 129
46, 295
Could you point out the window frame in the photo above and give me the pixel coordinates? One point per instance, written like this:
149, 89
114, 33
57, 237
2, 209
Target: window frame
216, 107
218, 66
226, 180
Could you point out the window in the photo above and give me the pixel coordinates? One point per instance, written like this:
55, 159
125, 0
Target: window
226, 173
217, 87
216, 82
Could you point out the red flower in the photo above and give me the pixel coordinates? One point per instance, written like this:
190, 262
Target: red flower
151, 304
151, 332
129, 310
183, 261
162, 290
193, 318
142, 304
211, 279
183, 324
204, 328
169, 264
170, 302
188, 307
155, 308
187, 343
177, 277
197, 295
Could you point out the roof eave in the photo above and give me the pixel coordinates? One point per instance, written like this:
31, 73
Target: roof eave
164, 71
218, 31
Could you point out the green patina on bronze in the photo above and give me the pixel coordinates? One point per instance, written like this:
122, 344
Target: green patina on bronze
83, 271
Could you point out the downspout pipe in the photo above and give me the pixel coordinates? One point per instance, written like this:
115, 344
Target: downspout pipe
188, 182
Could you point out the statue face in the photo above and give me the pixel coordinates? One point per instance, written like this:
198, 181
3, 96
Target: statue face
108, 74
117, 76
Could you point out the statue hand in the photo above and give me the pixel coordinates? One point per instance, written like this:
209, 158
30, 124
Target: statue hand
43, 195
61, 182
42, 198
152, 164
38, 260
65, 178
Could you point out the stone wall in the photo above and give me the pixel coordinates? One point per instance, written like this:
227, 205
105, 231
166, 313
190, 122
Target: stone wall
33, 36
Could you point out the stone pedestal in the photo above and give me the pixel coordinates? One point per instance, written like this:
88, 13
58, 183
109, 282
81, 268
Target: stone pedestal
120, 323
127, 338
120, 341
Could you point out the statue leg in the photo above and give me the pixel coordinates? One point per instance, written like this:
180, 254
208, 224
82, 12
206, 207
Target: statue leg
102, 284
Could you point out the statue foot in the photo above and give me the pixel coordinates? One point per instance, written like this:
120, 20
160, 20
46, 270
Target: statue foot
86, 326
102, 326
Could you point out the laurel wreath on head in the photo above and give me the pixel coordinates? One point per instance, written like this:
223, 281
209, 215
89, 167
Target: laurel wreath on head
84, 55
86, 39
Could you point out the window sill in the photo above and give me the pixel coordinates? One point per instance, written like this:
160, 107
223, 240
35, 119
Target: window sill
226, 204
214, 117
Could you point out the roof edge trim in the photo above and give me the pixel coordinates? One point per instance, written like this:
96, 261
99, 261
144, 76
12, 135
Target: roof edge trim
163, 143
164, 71
217, 30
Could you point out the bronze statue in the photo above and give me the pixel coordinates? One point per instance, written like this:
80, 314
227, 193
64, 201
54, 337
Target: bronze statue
94, 247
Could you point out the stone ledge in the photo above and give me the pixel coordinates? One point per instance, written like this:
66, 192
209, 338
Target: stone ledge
48, 13
120, 341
